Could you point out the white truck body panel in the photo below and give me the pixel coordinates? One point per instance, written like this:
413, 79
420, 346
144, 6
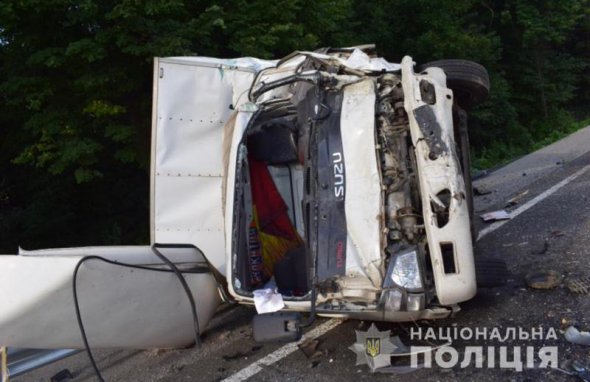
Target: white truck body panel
120, 307
192, 98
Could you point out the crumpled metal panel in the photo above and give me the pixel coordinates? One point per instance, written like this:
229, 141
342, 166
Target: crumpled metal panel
363, 203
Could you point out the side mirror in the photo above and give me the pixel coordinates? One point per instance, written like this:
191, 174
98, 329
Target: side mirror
277, 327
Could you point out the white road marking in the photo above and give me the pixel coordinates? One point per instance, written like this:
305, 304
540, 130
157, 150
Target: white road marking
289, 348
281, 353
491, 228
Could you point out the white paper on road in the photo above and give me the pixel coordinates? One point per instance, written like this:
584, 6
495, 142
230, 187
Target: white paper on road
496, 215
268, 301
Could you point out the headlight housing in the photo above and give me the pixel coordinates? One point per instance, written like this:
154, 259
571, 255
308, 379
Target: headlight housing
403, 285
405, 271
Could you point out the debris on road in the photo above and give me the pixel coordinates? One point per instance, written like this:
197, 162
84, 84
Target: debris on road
575, 369
241, 354
543, 280
581, 372
481, 190
542, 250
514, 200
574, 336
309, 347
64, 375
495, 215
579, 285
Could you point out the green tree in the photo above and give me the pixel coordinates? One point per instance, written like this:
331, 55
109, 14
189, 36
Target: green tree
541, 66
75, 83
536, 37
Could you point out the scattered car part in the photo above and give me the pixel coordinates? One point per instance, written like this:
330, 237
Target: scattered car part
575, 336
277, 327
581, 371
515, 199
61, 376
495, 215
543, 279
481, 190
309, 347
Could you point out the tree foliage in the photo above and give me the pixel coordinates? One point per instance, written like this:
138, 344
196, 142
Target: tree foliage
75, 83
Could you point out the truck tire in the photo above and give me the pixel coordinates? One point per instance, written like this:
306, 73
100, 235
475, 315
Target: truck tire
469, 80
490, 272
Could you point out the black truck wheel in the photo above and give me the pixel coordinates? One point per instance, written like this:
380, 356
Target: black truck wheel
490, 272
469, 80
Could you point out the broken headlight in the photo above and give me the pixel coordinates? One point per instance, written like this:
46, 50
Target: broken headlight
405, 271
392, 300
402, 278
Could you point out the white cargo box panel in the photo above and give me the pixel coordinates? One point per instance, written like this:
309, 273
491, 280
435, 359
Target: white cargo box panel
193, 98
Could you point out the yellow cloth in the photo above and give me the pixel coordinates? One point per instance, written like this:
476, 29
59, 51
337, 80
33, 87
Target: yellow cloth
273, 247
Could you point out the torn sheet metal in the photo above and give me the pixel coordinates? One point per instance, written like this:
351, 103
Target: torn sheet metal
357, 60
357, 63
431, 130
360, 60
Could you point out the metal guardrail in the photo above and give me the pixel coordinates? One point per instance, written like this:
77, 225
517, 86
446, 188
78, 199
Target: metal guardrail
22, 361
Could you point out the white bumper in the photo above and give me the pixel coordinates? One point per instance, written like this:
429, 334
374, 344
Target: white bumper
436, 175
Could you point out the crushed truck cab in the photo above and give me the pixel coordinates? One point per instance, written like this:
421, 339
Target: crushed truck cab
334, 180
373, 188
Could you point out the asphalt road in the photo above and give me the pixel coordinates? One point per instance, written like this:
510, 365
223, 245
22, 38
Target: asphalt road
553, 234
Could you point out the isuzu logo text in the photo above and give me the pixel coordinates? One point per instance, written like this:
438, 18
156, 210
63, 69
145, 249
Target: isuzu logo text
338, 174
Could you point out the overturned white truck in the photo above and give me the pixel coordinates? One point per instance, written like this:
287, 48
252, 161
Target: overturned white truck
335, 179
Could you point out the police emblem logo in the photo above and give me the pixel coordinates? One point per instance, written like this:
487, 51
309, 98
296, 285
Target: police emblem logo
373, 347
